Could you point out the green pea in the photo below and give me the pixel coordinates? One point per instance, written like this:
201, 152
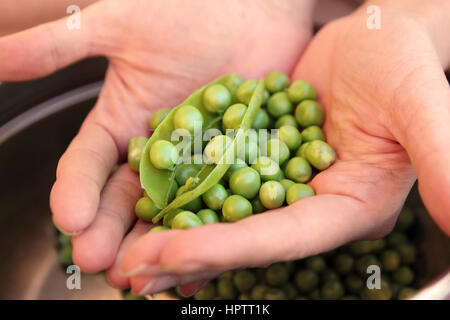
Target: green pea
233, 116
215, 197
136, 147
277, 275
364, 262
354, 283
290, 291
276, 149
244, 280
272, 194
344, 263
329, 275
280, 176
286, 183
265, 97
291, 136
286, 120
309, 113
298, 170
259, 292
245, 91
208, 292
390, 260
239, 163
188, 117
236, 208
297, 192
405, 219
216, 98
185, 171
65, 255
64, 240
168, 218
279, 105
301, 152
163, 155
257, 205
301, 90
130, 296
396, 238
384, 293
226, 289
275, 294
361, 247
215, 149
159, 229
407, 253
186, 220
208, 216
261, 120
194, 205
158, 117
245, 182
320, 154
276, 81
267, 168
378, 244
406, 293
404, 275
332, 290
306, 280
146, 209
312, 133
316, 263
233, 82
249, 151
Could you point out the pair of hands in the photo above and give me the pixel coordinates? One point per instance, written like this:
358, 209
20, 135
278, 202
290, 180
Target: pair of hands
388, 112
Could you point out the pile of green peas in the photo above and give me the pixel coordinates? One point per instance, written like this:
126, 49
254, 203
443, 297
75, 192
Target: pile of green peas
271, 172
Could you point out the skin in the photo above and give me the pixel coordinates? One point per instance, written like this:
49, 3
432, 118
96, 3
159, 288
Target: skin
399, 93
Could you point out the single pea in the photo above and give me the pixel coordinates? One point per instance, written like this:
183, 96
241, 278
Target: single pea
208, 216
232, 83
405, 219
245, 182
384, 293
168, 218
291, 136
146, 209
261, 120
279, 105
159, 229
186, 220
277, 275
286, 183
275, 294
244, 280
297, 192
290, 291
188, 117
245, 91
301, 90
378, 245
354, 283
158, 117
312, 133
306, 280
215, 149
344, 263
406, 293
286, 120
316, 263
276, 149
359, 248
233, 116
404, 275
390, 260
329, 275
136, 147
226, 289
257, 205
65, 255
259, 292
215, 197
309, 113
228, 275
364, 262
396, 238
163, 155
332, 290
407, 252
272, 194
320, 154
276, 81
194, 205
267, 168
301, 152
298, 170
236, 208
239, 163
185, 171
208, 292
216, 98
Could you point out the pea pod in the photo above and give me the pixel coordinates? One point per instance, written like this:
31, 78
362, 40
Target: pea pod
210, 174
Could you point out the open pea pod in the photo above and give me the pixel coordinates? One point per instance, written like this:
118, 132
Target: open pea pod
158, 183
210, 174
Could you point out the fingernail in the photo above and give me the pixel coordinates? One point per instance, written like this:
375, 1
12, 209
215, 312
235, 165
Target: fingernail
189, 290
158, 284
144, 270
67, 233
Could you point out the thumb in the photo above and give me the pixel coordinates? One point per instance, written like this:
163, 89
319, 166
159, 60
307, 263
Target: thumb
41, 50
423, 111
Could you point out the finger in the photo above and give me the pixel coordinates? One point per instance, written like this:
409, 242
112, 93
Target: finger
96, 248
422, 112
192, 288
114, 274
81, 174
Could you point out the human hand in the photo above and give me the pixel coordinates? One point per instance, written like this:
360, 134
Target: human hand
387, 115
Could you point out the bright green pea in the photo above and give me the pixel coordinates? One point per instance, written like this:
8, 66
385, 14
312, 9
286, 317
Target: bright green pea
185, 171
208, 216
276, 149
312, 133
279, 105
136, 147
186, 220
320, 154
146, 209
159, 229
163, 155
233, 116
245, 91
187, 117
291, 136
301, 90
272, 194
216, 98
232, 83
267, 168
245, 182
309, 113
239, 163
298, 170
286, 183
157, 117
236, 207
215, 149
301, 152
215, 197
297, 192
168, 218
286, 120
276, 81
261, 120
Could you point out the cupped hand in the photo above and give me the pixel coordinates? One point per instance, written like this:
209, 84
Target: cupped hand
387, 115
